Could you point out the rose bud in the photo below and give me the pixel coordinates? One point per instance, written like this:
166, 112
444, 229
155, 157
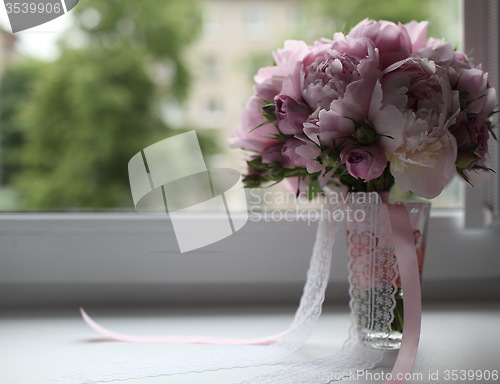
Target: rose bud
366, 162
291, 114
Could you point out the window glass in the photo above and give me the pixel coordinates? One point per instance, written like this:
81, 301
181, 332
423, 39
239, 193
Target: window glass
255, 23
116, 76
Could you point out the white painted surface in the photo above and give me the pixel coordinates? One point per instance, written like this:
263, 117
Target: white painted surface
38, 345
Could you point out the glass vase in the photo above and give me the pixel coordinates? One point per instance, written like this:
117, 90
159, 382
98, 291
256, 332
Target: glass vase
377, 301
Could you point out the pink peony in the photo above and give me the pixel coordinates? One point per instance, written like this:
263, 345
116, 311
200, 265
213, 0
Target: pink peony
392, 40
417, 33
285, 154
358, 47
285, 75
289, 152
363, 161
361, 106
384, 95
310, 152
478, 96
272, 154
472, 135
326, 74
418, 85
330, 126
425, 164
425, 161
286, 60
439, 51
460, 60
250, 134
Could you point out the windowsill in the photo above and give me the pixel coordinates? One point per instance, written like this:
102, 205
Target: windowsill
70, 259
39, 345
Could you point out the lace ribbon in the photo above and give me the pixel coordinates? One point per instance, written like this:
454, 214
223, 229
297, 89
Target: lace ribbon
273, 349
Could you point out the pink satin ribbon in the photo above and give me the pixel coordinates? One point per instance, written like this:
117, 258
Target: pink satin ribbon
178, 339
410, 284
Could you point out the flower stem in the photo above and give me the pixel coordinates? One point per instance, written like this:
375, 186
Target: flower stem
398, 322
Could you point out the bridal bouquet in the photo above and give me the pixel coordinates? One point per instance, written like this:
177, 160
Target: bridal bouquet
382, 105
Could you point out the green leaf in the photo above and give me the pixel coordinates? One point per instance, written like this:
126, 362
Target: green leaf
314, 190
494, 112
462, 174
269, 111
258, 126
490, 128
463, 96
475, 166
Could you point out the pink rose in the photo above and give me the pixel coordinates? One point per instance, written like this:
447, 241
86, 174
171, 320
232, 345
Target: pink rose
363, 161
392, 40
291, 114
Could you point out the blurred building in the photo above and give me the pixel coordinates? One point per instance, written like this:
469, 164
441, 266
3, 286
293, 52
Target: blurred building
237, 37
7, 49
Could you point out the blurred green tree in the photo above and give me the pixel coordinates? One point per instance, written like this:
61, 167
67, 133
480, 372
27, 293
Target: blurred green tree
88, 114
160, 29
78, 121
15, 85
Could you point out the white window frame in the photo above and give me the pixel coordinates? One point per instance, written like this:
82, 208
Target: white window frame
127, 258
481, 40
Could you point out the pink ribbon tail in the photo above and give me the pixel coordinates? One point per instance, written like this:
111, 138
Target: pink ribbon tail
177, 339
410, 284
